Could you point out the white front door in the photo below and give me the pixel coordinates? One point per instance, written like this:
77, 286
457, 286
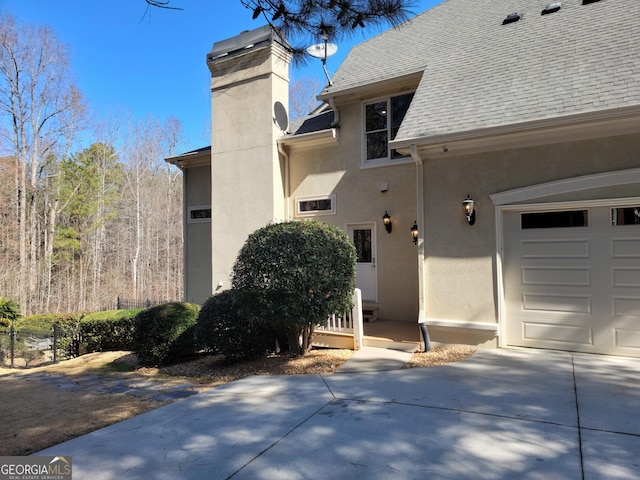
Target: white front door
363, 237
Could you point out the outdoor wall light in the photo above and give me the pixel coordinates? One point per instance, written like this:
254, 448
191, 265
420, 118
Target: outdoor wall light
414, 232
386, 219
469, 204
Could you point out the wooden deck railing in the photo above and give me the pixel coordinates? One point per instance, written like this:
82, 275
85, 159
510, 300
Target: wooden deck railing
349, 324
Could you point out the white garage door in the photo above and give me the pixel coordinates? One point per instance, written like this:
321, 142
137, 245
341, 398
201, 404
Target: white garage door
572, 279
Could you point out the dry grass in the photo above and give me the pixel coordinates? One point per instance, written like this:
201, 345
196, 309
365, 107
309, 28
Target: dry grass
36, 414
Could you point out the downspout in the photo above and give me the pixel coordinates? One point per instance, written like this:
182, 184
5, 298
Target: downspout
287, 180
421, 227
336, 113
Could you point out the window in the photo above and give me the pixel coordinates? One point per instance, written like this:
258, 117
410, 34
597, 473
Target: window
362, 242
625, 216
382, 122
325, 205
199, 214
574, 218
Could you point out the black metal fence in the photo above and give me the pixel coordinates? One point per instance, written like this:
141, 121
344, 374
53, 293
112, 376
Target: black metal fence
22, 348
125, 304
25, 348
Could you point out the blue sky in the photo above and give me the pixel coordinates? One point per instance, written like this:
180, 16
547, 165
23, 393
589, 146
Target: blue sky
153, 61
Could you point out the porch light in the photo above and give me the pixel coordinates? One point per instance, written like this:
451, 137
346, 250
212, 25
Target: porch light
414, 232
386, 219
468, 205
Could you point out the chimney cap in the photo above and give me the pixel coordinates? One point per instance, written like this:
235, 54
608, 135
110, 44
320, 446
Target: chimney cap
246, 41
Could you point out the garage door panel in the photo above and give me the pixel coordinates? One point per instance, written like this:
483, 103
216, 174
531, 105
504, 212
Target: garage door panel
554, 248
558, 336
556, 303
558, 276
627, 339
622, 277
625, 248
626, 307
574, 289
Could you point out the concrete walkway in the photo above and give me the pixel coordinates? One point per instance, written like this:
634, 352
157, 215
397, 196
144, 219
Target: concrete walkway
502, 414
373, 359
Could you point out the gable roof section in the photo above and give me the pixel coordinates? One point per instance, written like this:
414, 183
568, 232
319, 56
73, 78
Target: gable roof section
312, 123
479, 73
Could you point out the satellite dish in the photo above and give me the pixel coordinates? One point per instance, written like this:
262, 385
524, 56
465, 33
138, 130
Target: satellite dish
322, 50
280, 116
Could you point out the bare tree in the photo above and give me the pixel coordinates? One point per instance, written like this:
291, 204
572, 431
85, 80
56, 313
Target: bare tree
173, 218
43, 109
302, 96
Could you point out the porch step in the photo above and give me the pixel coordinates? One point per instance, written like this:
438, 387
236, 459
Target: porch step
369, 312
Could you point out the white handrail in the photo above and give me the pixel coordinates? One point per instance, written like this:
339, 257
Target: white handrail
349, 322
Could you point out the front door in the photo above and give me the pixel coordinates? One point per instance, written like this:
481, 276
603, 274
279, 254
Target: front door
364, 239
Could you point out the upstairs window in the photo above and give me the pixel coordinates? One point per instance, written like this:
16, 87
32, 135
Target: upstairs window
382, 121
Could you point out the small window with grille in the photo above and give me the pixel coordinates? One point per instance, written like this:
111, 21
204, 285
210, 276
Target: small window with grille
199, 214
310, 206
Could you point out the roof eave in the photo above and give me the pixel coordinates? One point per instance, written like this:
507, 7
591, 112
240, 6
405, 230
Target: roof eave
363, 90
618, 121
191, 159
311, 140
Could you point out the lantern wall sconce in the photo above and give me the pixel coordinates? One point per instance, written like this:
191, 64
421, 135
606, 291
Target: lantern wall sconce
469, 209
414, 232
386, 220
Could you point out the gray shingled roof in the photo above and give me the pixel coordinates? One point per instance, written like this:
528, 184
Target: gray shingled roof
479, 73
312, 123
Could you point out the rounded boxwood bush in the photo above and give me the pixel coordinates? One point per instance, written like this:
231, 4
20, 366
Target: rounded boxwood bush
165, 333
225, 326
298, 273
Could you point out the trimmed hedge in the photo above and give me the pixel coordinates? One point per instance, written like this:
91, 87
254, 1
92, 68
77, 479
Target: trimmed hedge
108, 331
165, 333
225, 328
44, 322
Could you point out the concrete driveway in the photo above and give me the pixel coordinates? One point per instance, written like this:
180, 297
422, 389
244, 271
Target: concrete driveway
502, 414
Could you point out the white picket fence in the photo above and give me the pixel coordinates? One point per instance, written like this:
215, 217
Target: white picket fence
339, 326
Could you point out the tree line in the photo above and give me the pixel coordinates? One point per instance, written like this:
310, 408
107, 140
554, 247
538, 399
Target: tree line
80, 226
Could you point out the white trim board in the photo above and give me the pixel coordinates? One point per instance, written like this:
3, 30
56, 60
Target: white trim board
461, 325
574, 184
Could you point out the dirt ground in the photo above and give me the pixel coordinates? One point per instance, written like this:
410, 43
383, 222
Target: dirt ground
36, 414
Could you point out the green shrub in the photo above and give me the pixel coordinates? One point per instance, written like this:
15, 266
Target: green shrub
108, 331
9, 311
225, 326
165, 333
299, 273
44, 322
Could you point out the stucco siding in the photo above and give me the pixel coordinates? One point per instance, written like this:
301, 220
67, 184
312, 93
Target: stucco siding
198, 236
460, 260
336, 170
